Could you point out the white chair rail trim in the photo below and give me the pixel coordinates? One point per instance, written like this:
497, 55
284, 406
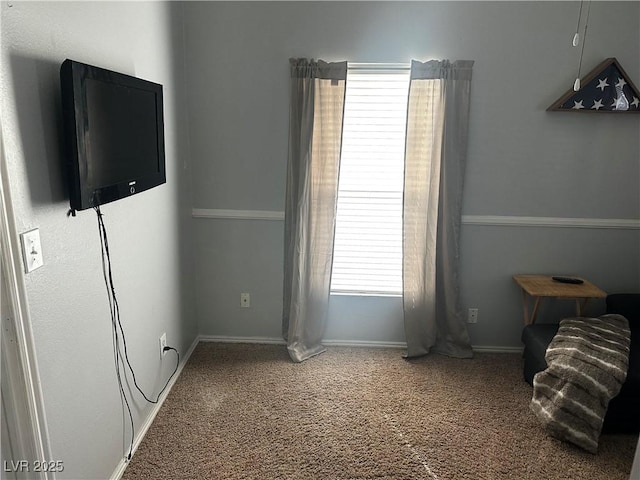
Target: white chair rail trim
237, 214
562, 222
480, 220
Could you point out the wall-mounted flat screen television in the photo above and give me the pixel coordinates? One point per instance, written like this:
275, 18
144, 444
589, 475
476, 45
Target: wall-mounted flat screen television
114, 134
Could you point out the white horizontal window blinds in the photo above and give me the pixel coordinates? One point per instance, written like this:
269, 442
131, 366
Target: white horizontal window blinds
368, 244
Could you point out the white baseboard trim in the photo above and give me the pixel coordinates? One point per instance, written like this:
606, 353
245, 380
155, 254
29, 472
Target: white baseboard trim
122, 465
496, 349
280, 341
344, 343
483, 220
232, 339
363, 343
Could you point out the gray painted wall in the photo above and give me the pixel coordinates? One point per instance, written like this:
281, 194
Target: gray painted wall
522, 160
67, 302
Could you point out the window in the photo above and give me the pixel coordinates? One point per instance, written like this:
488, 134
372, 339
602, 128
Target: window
368, 241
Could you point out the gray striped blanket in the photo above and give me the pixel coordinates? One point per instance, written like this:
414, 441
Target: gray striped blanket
587, 364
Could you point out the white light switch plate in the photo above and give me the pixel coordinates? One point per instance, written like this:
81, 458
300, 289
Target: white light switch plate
31, 250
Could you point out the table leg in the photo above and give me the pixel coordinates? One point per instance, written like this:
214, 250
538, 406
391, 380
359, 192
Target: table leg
580, 307
534, 314
529, 319
525, 307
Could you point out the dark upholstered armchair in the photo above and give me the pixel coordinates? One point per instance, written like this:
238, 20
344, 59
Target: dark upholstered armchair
623, 415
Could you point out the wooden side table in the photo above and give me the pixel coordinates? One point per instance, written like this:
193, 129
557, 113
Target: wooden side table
540, 286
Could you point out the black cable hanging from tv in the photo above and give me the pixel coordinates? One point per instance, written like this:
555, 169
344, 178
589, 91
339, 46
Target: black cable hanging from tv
121, 355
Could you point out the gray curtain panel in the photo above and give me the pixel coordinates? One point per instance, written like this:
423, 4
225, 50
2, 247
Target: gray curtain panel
315, 135
435, 157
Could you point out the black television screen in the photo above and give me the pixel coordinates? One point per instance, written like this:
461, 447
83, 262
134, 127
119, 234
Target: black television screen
114, 131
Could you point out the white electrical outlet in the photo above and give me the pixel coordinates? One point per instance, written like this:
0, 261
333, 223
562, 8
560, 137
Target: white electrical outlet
163, 343
472, 316
31, 250
245, 300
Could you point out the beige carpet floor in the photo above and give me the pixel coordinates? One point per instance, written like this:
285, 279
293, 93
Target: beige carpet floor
243, 411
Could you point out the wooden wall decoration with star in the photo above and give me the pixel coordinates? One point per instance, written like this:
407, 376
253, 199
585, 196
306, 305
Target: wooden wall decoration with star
607, 88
